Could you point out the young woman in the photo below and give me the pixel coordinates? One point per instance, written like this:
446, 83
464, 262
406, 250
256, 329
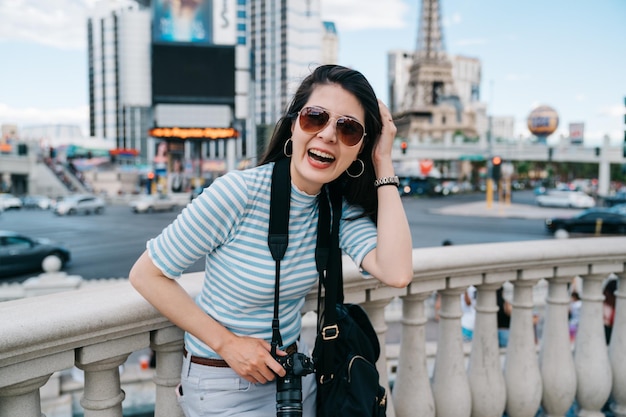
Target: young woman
335, 131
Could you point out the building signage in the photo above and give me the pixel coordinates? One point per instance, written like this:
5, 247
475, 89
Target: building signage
576, 133
208, 22
194, 133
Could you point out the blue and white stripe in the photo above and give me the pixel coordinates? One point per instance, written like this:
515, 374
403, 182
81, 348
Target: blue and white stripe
228, 223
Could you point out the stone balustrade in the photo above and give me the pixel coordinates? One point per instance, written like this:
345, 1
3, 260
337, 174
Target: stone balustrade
96, 329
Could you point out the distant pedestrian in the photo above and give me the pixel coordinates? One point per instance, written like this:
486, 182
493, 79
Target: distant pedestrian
468, 310
504, 318
608, 309
574, 314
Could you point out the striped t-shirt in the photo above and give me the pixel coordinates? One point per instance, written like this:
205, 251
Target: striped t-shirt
228, 224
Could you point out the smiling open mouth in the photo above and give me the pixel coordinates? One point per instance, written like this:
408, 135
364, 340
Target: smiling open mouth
321, 156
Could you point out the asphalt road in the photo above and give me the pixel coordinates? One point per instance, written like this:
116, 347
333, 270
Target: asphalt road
107, 245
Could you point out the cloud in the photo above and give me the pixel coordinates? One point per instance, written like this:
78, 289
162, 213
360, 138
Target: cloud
37, 116
612, 111
353, 15
57, 23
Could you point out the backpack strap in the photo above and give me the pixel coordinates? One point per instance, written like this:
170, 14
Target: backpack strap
333, 284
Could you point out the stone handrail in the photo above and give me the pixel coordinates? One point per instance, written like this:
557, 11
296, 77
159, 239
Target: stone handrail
97, 328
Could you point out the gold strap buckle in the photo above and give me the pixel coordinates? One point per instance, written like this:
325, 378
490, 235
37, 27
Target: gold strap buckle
330, 332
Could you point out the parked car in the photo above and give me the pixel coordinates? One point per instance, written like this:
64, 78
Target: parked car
599, 220
561, 198
21, 254
36, 202
619, 208
79, 203
613, 200
417, 186
153, 202
9, 201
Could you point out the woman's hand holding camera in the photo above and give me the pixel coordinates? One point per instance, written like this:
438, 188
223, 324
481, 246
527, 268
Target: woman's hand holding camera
251, 359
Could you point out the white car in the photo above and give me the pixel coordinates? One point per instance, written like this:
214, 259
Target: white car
76, 204
9, 201
562, 198
151, 203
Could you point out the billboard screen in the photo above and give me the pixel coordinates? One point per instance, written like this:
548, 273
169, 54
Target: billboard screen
577, 133
208, 22
193, 74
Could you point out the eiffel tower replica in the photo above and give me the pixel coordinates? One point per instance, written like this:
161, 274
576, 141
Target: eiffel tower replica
431, 111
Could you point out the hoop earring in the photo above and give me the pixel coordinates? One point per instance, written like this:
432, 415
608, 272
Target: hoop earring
285, 148
360, 172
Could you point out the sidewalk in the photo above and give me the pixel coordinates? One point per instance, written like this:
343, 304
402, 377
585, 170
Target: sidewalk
498, 209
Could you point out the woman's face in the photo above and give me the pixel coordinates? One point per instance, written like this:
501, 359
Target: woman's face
319, 158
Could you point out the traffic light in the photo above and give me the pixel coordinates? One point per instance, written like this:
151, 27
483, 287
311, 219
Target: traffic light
496, 168
403, 146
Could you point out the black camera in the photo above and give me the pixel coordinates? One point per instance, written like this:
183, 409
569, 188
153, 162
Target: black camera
289, 387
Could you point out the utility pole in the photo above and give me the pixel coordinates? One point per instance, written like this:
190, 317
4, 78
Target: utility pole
489, 151
489, 165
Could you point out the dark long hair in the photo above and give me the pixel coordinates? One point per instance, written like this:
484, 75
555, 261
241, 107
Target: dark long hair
361, 190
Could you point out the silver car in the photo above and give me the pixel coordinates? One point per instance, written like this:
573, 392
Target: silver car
152, 203
571, 199
9, 201
77, 204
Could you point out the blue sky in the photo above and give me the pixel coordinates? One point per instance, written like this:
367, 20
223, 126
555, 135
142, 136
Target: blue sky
568, 54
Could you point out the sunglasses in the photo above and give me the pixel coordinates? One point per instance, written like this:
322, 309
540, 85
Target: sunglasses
314, 119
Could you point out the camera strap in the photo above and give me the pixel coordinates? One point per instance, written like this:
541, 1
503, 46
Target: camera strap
278, 236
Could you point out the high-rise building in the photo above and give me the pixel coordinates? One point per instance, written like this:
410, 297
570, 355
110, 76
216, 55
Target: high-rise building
218, 70
118, 35
154, 66
285, 42
330, 43
398, 71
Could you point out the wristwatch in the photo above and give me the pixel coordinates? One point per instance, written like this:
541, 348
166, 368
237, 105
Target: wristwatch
387, 181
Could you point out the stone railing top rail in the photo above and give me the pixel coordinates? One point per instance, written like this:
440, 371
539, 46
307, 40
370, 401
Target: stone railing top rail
42, 326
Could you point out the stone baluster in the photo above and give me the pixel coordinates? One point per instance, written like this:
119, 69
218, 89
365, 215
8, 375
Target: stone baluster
168, 346
485, 368
22, 399
591, 357
376, 312
556, 359
617, 349
20, 383
102, 395
522, 375
450, 377
412, 393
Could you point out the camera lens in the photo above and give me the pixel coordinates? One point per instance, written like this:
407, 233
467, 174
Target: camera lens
289, 397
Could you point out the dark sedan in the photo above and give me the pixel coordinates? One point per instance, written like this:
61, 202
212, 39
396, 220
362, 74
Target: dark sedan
619, 198
21, 254
594, 220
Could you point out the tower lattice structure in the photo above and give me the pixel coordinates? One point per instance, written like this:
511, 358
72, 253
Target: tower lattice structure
431, 109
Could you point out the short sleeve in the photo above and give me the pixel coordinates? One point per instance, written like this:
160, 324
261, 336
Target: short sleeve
202, 226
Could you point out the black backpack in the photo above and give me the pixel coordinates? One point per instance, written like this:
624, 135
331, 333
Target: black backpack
346, 347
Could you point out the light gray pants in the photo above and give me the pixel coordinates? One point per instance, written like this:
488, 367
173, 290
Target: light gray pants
220, 392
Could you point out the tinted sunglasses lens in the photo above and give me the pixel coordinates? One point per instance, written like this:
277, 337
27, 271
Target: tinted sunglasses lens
313, 120
350, 131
